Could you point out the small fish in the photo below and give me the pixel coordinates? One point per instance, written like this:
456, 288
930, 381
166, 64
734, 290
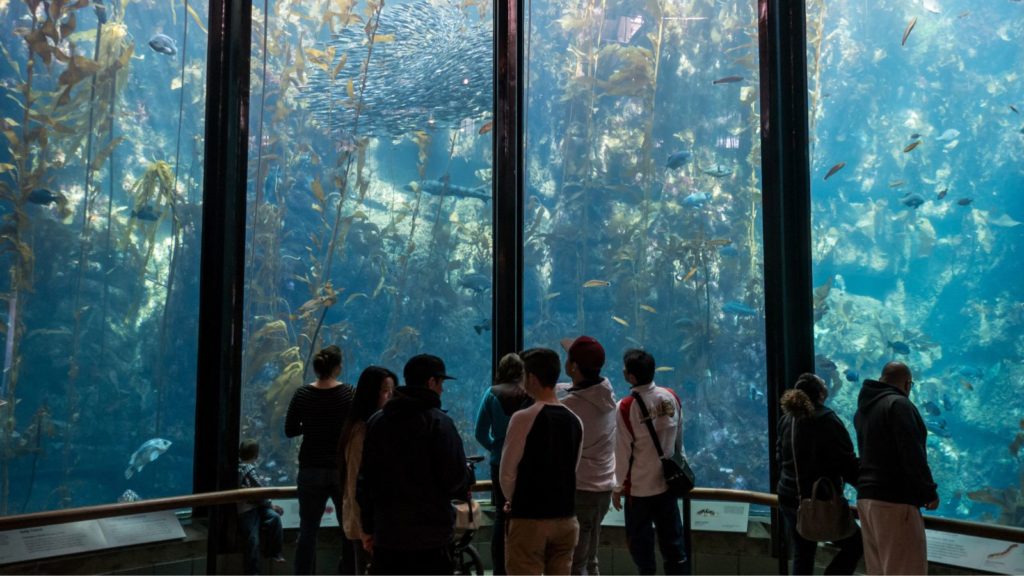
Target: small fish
678, 159
965, 201
912, 200
475, 282
963, 15
942, 193
1014, 108
899, 347
696, 199
906, 33
947, 404
596, 283
896, 183
705, 512
147, 213
128, 495
647, 308
42, 196
948, 135
718, 171
967, 385
483, 326
486, 127
690, 274
163, 44
912, 145
664, 369
931, 408
851, 375
728, 80
915, 135
937, 427
835, 169
552, 296
620, 321
148, 452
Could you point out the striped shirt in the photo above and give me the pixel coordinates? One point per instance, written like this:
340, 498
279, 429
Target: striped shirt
318, 414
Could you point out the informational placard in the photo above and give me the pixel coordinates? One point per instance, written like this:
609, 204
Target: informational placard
973, 552
87, 536
713, 516
290, 518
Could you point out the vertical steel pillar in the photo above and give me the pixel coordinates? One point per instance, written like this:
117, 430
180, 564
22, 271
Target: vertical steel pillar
221, 293
787, 211
509, 105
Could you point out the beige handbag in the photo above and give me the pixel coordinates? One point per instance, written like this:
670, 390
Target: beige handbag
825, 516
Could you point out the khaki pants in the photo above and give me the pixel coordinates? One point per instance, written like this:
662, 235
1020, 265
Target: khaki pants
894, 541
540, 546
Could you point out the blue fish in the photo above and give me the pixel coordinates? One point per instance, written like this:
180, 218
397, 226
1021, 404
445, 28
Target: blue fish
147, 213
912, 200
738, 308
696, 199
163, 44
42, 196
947, 403
970, 371
851, 375
678, 159
937, 427
899, 347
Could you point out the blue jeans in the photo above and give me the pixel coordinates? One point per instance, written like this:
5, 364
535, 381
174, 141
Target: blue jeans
315, 486
804, 551
250, 524
647, 515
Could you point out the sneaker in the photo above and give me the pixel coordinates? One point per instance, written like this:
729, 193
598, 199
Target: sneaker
279, 558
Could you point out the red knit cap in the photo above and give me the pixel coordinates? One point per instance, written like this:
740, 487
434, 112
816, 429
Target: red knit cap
587, 353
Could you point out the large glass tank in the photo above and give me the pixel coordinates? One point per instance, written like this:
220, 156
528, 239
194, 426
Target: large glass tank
642, 222
370, 209
917, 141
100, 180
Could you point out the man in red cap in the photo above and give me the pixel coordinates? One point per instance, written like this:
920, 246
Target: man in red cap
590, 397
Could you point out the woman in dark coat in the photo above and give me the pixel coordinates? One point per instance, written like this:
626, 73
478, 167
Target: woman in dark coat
823, 448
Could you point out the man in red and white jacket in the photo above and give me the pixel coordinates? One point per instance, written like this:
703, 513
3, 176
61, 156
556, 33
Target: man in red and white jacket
650, 507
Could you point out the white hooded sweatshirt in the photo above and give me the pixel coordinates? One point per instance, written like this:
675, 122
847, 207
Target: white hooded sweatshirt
595, 407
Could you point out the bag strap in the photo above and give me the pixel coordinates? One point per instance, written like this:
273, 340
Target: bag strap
650, 425
624, 407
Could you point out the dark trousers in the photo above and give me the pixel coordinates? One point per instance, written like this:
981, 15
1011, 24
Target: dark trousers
498, 531
251, 523
315, 486
650, 515
392, 561
804, 550
353, 558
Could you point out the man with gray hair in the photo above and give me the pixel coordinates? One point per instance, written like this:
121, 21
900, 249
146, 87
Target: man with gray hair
895, 480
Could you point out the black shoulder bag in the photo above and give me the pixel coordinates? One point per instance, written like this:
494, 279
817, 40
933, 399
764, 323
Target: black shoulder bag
678, 474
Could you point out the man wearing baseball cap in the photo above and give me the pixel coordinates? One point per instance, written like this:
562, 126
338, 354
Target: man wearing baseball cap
413, 465
590, 397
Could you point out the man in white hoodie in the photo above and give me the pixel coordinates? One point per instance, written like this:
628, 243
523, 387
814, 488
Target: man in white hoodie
639, 471
590, 397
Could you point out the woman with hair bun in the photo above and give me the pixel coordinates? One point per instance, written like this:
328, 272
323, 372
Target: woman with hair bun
823, 448
318, 412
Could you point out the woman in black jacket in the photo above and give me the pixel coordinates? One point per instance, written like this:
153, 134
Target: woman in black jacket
823, 448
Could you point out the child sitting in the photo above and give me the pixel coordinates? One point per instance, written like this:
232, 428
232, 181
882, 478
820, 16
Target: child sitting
252, 516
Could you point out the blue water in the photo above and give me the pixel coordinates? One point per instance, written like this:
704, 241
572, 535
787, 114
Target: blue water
354, 239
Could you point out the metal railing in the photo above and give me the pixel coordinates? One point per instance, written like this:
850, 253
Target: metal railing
996, 532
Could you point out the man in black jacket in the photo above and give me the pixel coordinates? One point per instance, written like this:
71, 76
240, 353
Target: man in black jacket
895, 480
413, 465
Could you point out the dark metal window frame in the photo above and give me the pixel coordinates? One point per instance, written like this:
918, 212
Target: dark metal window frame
786, 205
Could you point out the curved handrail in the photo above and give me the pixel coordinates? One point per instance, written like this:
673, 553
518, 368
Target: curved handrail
1007, 533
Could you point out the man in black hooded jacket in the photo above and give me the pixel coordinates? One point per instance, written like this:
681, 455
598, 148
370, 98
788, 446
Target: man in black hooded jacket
895, 480
413, 466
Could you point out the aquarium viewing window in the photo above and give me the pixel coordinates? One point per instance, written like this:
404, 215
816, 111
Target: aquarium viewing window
187, 217
101, 172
